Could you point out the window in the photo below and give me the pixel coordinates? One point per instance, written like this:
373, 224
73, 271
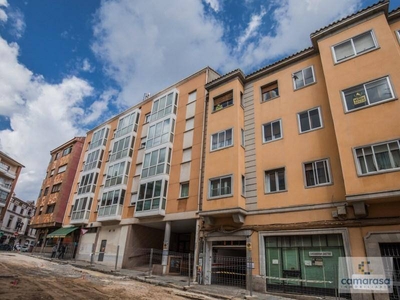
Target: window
56, 188
243, 185
122, 148
275, 180
221, 139
368, 94
223, 101
272, 131
184, 193
303, 77
163, 106
67, 151
50, 208
317, 173
40, 211
270, 91
52, 172
88, 183
241, 100
151, 194
10, 221
221, 186
242, 139
310, 119
99, 138
61, 169
187, 155
117, 174
126, 124
3, 196
189, 124
192, 96
80, 209
155, 161
378, 158
160, 133
398, 34
46, 191
93, 160
147, 118
354, 46
110, 201
58, 155
142, 142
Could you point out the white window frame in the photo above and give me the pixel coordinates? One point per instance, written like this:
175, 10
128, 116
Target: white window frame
309, 119
92, 160
314, 163
181, 189
192, 96
217, 135
165, 133
398, 35
88, 183
62, 169
142, 200
124, 151
373, 153
355, 53
263, 127
99, 138
267, 181
365, 91
126, 124
117, 174
220, 195
295, 76
169, 106
161, 162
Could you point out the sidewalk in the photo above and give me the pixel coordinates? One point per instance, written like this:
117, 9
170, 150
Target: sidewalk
178, 282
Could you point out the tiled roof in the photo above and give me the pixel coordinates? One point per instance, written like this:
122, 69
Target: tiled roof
348, 17
225, 76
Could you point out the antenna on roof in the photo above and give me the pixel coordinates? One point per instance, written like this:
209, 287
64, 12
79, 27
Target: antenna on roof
146, 95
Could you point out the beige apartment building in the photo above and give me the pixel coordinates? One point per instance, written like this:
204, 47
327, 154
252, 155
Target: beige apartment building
9, 173
267, 178
54, 193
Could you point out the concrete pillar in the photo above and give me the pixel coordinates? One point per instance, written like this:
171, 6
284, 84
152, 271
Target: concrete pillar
196, 250
167, 236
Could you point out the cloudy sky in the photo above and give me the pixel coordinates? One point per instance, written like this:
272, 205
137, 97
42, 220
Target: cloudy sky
67, 66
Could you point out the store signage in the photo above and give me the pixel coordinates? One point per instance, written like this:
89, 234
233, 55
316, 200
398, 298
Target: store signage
359, 99
322, 253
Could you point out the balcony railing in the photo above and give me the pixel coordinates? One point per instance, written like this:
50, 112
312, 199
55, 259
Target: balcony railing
150, 208
6, 170
80, 217
6, 186
109, 213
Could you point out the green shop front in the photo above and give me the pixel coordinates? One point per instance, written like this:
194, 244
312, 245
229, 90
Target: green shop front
306, 264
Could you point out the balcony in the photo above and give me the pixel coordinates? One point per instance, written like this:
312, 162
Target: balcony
80, 217
5, 186
150, 208
6, 170
125, 130
109, 213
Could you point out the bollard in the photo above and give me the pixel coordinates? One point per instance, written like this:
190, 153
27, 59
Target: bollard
151, 262
116, 258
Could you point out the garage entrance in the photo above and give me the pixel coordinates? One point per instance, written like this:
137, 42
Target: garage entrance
228, 265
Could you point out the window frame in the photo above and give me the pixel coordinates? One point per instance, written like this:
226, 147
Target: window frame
224, 104
398, 35
309, 119
304, 83
271, 124
355, 54
328, 171
374, 160
220, 178
217, 134
50, 208
367, 100
62, 169
181, 189
267, 183
270, 87
67, 151
56, 188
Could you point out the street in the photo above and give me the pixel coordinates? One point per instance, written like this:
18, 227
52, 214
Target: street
26, 277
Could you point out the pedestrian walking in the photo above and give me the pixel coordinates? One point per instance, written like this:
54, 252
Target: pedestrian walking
54, 251
62, 251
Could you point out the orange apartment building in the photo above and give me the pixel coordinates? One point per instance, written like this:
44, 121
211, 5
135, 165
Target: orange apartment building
286, 169
55, 190
9, 173
137, 185
302, 159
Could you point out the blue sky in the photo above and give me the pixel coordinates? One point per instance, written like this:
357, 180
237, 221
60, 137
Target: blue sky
67, 66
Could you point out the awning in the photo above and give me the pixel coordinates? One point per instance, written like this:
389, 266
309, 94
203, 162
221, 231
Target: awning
62, 232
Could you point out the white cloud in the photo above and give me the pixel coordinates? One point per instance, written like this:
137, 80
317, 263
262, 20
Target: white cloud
214, 4
148, 45
87, 67
42, 117
98, 110
293, 25
3, 15
251, 29
17, 23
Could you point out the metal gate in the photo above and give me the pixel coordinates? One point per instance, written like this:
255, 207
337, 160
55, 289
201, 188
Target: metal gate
228, 270
393, 250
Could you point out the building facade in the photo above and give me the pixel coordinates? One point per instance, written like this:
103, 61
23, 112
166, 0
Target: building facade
9, 173
285, 169
16, 226
303, 157
55, 190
